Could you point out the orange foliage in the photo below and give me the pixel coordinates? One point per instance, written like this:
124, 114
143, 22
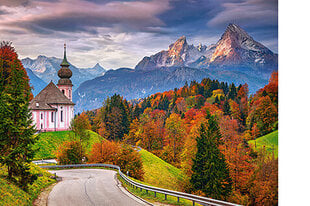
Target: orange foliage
125, 156
104, 152
237, 157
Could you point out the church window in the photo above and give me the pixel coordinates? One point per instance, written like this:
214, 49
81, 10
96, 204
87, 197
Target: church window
63, 91
61, 116
69, 93
41, 115
52, 116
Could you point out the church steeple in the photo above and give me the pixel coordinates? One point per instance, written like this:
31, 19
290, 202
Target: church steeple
64, 61
64, 73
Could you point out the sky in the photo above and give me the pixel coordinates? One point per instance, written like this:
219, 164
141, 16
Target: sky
120, 33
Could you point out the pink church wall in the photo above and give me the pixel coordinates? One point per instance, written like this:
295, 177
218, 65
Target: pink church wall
57, 125
67, 90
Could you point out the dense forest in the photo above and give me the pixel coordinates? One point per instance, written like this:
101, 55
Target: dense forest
202, 128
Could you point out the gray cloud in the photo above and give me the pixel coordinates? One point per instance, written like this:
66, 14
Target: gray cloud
250, 13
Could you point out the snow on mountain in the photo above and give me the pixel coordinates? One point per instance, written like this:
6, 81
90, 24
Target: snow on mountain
46, 68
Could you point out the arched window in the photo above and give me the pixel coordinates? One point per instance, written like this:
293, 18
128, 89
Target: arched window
61, 116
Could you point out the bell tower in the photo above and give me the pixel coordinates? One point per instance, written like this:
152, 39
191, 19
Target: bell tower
64, 83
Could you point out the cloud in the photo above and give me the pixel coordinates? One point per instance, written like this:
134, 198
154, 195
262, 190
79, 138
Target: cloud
119, 33
78, 15
250, 13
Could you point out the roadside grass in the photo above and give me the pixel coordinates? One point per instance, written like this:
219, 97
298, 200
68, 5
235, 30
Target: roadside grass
150, 196
48, 142
11, 194
159, 173
269, 141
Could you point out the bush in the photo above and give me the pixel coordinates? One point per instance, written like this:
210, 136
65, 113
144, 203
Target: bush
123, 155
70, 153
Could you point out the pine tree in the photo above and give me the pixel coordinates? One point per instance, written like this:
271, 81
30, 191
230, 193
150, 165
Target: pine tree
232, 92
210, 171
16, 130
116, 117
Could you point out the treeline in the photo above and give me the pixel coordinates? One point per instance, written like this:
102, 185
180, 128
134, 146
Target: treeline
203, 128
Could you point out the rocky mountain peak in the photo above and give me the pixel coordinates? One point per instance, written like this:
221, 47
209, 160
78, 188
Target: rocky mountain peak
233, 41
178, 47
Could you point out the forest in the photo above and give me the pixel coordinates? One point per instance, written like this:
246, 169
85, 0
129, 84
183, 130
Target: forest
203, 129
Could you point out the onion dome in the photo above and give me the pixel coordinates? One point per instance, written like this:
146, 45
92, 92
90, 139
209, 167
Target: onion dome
64, 73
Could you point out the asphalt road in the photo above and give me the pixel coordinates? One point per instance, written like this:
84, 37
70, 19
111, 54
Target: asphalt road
89, 187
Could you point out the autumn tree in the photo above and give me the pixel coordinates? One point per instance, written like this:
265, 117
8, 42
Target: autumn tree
70, 152
238, 159
151, 130
123, 155
104, 152
16, 130
80, 125
130, 160
210, 171
174, 140
264, 113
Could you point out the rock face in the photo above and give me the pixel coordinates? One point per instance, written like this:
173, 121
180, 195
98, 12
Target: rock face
236, 50
46, 68
178, 54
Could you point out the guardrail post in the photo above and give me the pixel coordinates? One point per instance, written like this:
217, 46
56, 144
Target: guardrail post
178, 199
193, 203
146, 191
154, 194
165, 196
140, 189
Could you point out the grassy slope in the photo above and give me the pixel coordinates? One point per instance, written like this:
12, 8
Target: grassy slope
13, 195
270, 141
49, 142
160, 173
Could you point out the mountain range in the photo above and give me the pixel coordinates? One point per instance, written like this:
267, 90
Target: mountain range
236, 57
46, 68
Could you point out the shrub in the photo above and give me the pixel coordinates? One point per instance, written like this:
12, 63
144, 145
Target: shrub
70, 152
123, 155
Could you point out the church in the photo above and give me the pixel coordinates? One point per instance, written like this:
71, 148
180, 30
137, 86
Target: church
52, 109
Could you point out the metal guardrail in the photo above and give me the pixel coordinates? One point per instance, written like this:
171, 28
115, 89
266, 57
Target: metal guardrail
178, 195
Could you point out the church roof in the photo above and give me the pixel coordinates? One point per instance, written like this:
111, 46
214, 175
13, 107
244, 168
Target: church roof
48, 96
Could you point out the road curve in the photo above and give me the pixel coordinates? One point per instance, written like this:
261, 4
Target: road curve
90, 187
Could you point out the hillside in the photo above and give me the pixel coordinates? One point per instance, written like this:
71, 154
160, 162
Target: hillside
13, 195
49, 142
270, 141
160, 173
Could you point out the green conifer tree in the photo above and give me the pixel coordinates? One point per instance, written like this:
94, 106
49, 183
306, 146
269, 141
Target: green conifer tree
16, 130
210, 171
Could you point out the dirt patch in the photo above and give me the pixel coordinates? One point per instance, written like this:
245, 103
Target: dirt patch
43, 197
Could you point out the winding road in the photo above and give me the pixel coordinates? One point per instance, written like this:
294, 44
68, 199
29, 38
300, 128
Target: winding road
90, 187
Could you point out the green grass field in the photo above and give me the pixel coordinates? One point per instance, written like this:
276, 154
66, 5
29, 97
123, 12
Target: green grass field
13, 195
270, 141
49, 141
160, 173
